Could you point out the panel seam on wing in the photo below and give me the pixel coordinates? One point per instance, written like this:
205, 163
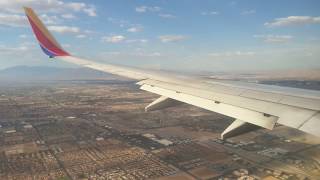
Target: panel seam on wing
304, 122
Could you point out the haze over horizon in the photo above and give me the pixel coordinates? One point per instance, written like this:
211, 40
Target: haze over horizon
192, 36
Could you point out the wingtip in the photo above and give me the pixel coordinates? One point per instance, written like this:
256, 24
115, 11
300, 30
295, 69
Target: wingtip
26, 9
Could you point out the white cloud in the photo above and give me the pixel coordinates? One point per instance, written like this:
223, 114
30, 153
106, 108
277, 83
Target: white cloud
13, 20
135, 29
121, 39
143, 9
113, 39
130, 54
144, 40
7, 50
232, 53
209, 13
23, 36
137, 41
64, 29
91, 11
76, 6
66, 45
145, 54
56, 6
16, 20
11, 11
110, 53
120, 22
247, 12
68, 16
274, 38
81, 36
49, 19
171, 38
293, 20
168, 16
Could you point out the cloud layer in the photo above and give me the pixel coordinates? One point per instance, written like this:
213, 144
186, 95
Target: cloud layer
293, 20
64, 29
168, 16
171, 38
232, 53
13, 20
135, 29
143, 9
205, 13
113, 39
248, 12
274, 38
55, 6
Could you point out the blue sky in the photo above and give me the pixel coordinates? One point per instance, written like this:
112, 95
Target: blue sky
206, 35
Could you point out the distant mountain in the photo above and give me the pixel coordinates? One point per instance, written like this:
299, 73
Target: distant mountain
44, 73
293, 74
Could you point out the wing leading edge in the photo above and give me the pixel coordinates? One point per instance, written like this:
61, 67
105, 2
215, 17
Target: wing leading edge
252, 105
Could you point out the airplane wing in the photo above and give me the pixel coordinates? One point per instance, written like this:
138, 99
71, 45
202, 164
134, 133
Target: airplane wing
251, 105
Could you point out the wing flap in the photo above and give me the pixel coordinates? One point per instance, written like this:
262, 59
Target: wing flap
276, 109
258, 112
312, 125
266, 96
247, 115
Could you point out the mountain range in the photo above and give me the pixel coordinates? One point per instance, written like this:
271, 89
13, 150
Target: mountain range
45, 73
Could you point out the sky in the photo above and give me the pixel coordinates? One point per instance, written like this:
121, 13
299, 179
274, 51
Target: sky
183, 35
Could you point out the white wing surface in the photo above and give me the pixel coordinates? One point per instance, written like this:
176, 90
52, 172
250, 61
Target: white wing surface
251, 105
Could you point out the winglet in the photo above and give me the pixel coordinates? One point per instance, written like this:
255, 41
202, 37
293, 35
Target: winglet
47, 42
